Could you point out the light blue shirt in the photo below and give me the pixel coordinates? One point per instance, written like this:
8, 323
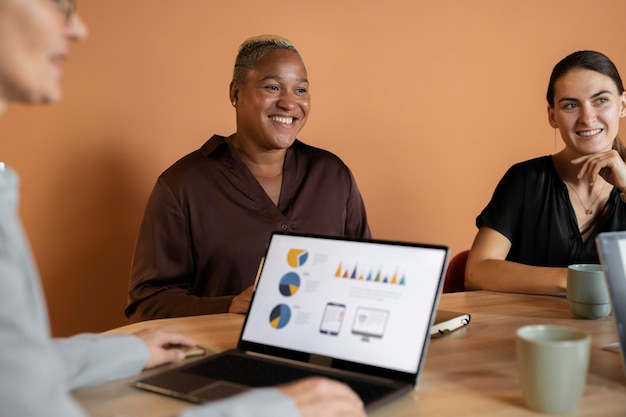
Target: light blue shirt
37, 372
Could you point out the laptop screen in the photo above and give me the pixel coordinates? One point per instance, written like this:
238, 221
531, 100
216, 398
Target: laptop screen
612, 251
369, 302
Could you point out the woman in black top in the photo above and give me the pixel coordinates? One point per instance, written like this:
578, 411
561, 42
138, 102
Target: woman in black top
545, 213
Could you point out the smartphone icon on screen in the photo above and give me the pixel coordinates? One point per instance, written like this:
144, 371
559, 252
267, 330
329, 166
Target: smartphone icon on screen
332, 319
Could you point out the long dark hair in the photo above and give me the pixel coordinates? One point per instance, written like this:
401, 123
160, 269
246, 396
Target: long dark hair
589, 60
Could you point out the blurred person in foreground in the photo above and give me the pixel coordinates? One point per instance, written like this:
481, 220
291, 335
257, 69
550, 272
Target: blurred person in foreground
38, 372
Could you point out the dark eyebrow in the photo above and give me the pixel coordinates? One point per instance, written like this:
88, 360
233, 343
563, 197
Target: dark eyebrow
599, 93
278, 78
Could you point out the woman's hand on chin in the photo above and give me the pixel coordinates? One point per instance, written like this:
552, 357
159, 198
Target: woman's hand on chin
608, 165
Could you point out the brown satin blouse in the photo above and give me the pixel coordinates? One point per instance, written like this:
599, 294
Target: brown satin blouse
208, 221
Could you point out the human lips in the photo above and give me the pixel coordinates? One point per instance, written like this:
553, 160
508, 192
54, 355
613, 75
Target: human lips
57, 60
282, 119
588, 133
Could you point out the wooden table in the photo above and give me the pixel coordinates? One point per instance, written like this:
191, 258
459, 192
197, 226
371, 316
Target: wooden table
470, 372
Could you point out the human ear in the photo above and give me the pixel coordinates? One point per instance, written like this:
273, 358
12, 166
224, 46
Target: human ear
234, 93
551, 120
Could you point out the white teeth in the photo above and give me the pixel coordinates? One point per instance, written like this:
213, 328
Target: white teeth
590, 132
283, 120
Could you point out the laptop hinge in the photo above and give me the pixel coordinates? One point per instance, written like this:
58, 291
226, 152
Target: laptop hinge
323, 363
321, 360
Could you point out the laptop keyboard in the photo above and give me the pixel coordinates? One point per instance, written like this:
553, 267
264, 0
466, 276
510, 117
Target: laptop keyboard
256, 372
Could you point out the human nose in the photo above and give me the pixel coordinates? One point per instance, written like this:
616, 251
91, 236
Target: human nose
587, 115
75, 28
287, 100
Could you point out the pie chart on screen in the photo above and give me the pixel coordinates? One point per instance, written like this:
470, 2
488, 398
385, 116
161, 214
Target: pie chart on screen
280, 315
289, 284
297, 257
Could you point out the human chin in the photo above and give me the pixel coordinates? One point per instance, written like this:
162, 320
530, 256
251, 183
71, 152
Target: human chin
47, 97
37, 89
48, 94
284, 140
590, 146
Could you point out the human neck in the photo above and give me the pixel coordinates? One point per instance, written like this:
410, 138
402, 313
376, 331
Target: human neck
568, 171
262, 162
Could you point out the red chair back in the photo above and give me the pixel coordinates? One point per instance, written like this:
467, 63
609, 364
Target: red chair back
455, 275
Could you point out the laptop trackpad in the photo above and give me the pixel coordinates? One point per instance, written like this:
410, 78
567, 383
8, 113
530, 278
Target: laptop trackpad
219, 389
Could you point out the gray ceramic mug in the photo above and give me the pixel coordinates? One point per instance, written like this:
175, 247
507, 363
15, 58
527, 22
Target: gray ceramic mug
587, 291
552, 363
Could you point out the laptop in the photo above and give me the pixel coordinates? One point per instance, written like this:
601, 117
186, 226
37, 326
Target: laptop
612, 251
359, 311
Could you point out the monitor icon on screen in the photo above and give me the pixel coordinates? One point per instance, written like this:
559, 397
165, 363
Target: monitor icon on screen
370, 322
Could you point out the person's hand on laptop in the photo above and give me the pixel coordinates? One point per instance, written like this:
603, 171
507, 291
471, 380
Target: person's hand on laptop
241, 303
165, 345
318, 396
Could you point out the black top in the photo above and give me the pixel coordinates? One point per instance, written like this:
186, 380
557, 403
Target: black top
531, 208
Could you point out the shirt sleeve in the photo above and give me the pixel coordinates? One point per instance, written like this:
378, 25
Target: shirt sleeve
32, 382
90, 359
356, 217
263, 402
503, 212
162, 269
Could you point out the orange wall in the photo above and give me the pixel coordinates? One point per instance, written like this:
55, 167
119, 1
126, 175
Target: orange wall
427, 101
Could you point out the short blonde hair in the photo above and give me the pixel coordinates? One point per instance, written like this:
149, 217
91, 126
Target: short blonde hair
253, 49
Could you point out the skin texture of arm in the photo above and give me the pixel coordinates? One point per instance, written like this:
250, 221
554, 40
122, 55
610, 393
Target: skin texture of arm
320, 396
487, 269
160, 342
309, 397
241, 303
